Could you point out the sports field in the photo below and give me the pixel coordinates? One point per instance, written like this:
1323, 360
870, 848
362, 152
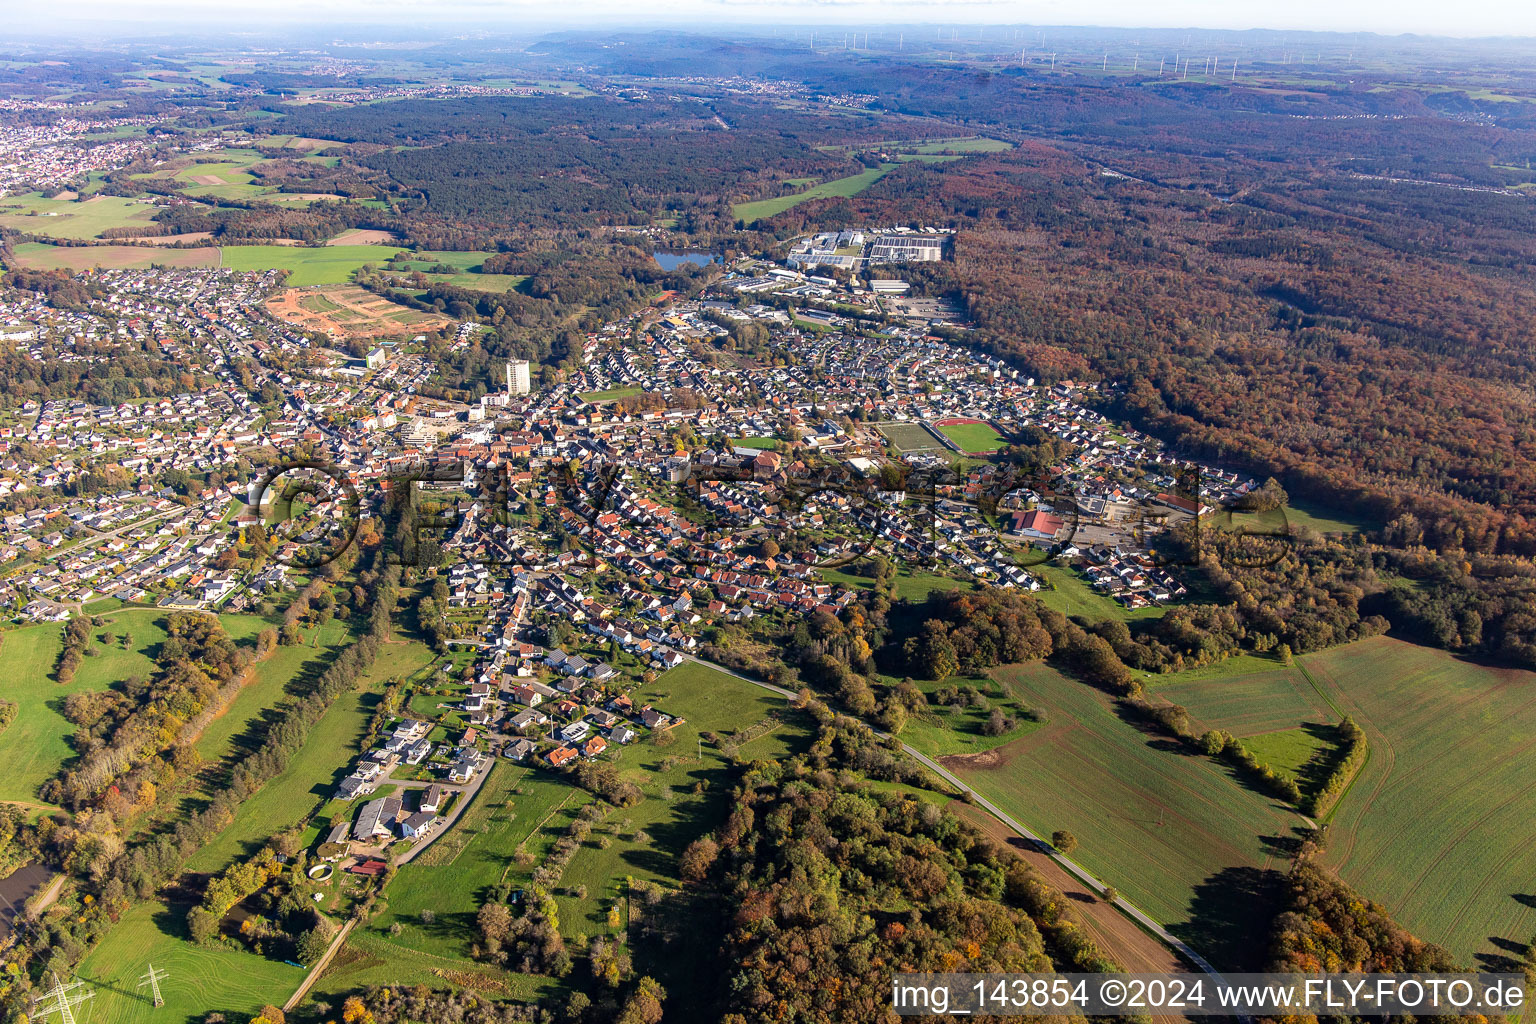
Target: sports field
1437, 826
849, 186
1177, 834
971, 436
909, 437
611, 394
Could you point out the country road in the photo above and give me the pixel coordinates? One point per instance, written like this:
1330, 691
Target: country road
313, 974
1172, 941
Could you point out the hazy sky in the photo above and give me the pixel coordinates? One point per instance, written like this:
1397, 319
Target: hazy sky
1461, 18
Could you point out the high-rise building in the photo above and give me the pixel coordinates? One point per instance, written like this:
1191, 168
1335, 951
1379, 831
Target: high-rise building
518, 380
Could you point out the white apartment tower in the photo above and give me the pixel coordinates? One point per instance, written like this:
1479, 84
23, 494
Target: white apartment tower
518, 380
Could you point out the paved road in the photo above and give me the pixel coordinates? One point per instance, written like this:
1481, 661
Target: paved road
466, 797
1174, 942
313, 974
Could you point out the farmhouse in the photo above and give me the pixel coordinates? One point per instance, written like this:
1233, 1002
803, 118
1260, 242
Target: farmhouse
377, 819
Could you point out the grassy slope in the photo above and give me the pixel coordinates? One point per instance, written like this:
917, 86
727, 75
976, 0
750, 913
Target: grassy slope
332, 264
72, 219
1176, 833
849, 186
35, 745
1437, 825
200, 979
1073, 596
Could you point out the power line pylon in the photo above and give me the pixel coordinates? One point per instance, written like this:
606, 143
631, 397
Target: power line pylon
62, 1000
153, 980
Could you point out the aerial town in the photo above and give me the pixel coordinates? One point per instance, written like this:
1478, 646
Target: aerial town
750, 524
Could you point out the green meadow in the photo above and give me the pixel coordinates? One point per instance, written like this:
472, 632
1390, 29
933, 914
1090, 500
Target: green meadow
35, 746
307, 265
849, 186
73, 218
1176, 833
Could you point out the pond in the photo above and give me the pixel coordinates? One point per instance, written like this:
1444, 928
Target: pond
17, 888
671, 260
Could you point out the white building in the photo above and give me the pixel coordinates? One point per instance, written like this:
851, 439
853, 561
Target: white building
519, 381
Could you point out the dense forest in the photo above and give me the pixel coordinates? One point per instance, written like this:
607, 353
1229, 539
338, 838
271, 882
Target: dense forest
834, 882
485, 170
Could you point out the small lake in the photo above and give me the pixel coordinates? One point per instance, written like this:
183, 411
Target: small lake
17, 888
673, 260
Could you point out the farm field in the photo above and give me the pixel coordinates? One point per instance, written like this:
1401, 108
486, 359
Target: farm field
971, 438
223, 174
72, 218
470, 271
42, 256
1451, 752
1294, 752
1175, 833
330, 264
1273, 698
351, 311
981, 145
849, 186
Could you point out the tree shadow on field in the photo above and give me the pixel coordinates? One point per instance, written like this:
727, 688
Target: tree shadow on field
1225, 912
1287, 846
